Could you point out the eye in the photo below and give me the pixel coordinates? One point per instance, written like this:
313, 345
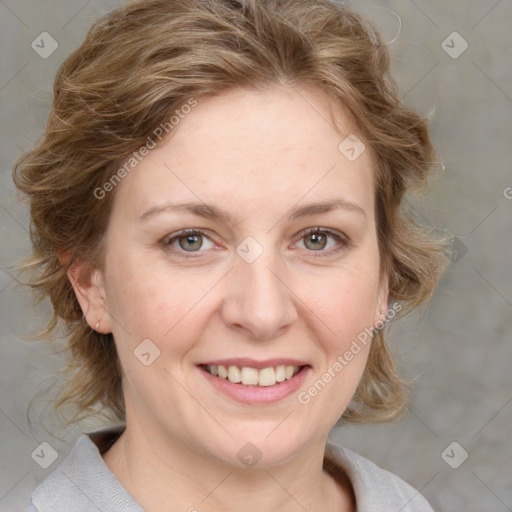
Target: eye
317, 240
320, 240
188, 240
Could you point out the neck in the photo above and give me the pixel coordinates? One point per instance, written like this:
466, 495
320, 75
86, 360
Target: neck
145, 462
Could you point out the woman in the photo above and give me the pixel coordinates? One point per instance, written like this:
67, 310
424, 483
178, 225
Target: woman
216, 218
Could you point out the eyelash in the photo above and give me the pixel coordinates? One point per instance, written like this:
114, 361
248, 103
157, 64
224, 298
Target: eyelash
342, 240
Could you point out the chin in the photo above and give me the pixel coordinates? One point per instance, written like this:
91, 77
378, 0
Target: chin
254, 449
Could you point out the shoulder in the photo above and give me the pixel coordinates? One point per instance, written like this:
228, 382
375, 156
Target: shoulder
82, 482
376, 490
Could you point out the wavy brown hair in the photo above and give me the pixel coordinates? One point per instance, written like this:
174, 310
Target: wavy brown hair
142, 62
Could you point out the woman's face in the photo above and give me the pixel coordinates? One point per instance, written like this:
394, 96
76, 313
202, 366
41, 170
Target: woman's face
254, 290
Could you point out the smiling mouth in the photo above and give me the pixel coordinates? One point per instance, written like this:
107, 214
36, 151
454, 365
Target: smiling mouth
248, 376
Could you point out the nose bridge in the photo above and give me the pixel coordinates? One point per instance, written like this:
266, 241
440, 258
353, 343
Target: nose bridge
257, 300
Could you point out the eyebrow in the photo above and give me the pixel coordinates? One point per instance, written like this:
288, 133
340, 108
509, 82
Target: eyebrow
213, 212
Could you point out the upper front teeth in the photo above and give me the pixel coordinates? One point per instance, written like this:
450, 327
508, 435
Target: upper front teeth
252, 376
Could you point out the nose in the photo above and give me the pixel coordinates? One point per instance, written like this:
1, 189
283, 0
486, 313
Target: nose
258, 301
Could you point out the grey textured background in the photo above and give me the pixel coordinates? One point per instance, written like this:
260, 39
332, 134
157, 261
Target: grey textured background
460, 348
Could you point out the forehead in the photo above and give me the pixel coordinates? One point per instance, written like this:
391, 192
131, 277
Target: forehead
280, 123
247, 148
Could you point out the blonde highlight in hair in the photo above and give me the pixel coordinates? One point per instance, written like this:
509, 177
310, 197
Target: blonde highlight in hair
144, 61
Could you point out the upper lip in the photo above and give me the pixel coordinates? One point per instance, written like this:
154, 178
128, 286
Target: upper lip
254, 363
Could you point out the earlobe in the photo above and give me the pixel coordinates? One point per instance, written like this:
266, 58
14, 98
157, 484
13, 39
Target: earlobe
90, 292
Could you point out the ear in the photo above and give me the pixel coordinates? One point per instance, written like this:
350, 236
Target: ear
382, 303
89, 288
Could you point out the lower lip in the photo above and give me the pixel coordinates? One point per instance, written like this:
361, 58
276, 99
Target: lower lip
257, 394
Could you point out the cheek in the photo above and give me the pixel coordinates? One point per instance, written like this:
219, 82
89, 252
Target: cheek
345, 300
343, 314
147, 302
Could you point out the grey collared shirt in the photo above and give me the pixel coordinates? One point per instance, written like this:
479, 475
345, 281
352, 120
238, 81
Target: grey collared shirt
83, 482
